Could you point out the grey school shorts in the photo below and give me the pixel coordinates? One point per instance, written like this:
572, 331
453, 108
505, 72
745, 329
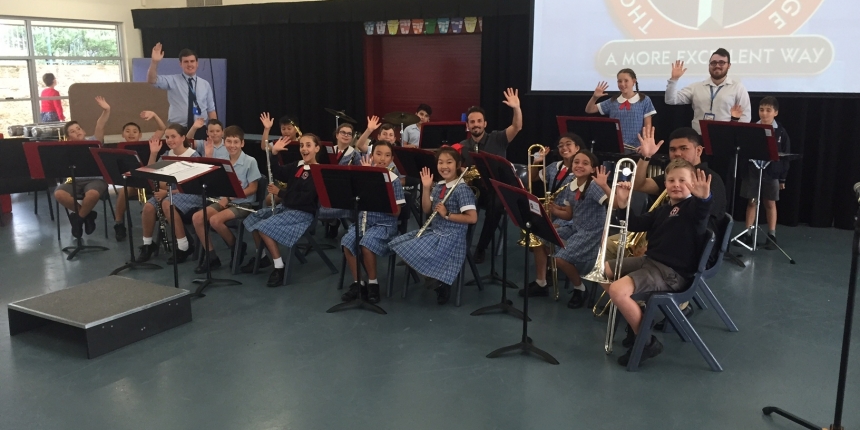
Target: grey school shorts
749, 185
85, 185
650, 276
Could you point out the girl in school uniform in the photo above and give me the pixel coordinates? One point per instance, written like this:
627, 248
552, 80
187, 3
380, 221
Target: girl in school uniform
440, 250
632, 108
377, 230
587, 212
557, 177
300, 204
175, 140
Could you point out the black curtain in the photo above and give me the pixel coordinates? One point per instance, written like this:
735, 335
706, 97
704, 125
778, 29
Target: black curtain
295, 69
823, 129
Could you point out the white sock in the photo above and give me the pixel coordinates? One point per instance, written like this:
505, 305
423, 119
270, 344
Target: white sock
372, 281
579, 287
147, 241
541, 282
182, 244
279, 264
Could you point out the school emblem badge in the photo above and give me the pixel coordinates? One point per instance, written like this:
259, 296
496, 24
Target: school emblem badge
675, 211
759, 34
305, 176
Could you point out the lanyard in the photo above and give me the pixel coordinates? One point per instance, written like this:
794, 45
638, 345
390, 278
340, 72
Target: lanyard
714, 94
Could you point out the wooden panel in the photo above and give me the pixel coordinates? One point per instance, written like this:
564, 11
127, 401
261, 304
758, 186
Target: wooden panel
442, 71
126, 99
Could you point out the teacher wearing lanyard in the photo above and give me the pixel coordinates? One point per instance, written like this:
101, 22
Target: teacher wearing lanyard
189, 96
713, 98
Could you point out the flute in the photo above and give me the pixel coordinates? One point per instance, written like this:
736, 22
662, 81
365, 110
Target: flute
232, 205
269, 167
445, 199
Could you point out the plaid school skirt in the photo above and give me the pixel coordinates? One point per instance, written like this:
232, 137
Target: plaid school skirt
581, 247
186, 203
286, 227
375, 238
438, 255
252, 222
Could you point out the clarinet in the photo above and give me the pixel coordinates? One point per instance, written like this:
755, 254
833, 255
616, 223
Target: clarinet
445, 199
269, 167
162, 221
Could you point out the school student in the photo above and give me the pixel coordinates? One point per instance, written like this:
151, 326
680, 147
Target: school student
213, 145
632, 108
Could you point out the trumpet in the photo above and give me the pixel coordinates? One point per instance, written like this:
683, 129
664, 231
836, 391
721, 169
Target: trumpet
232, 205
598, 273
444, 199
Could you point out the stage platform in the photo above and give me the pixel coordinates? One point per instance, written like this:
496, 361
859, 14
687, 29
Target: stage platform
107, 313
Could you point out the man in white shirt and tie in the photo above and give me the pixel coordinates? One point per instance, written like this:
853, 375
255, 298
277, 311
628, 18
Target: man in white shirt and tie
713, 98
189, 96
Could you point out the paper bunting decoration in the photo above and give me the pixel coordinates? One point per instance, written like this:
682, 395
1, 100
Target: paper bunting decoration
471, 22
405, 26
417, 26
443, 25
481, 24
368, 27
392, 26
380, 27
456, 25
430, 26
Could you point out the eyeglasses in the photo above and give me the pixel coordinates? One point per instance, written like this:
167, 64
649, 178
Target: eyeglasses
718, 63
344, 133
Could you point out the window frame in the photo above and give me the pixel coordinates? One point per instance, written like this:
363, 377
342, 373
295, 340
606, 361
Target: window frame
35, 98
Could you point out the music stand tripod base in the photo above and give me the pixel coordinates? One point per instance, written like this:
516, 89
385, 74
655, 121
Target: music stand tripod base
794, 418
755, 229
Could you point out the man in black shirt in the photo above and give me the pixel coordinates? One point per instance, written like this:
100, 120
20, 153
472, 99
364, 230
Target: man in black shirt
496, 143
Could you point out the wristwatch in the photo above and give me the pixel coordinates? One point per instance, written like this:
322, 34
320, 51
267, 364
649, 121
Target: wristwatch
646, 158
446, 217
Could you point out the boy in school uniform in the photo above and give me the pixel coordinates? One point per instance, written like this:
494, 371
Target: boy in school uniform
81, 216
411, 136
772, 178
676, 233
213, 146
226, 209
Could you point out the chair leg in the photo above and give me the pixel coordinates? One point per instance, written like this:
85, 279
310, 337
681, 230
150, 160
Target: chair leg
460, 283
406, 283
697, 298
257, 257
392, 262
287, 272
642, 338
674, 322
36, 203
104, 211
475, 274
322, 255
718, 307
48, 199
696, 340
237, 249
57, 204
342, 270
301, 256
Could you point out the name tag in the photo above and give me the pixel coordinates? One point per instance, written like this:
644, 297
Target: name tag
709, 117
196, 110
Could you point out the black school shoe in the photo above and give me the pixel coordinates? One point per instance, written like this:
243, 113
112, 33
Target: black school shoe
276, 278
77, 225
119, 231
179, 256
577, 300
90, 222
630, 339
351, 293
145, 252
331, 229
443, 293
653, 349
207, 265
373, 293
249, 267
535, 290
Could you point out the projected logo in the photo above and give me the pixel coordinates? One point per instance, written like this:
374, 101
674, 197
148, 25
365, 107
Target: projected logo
758, 33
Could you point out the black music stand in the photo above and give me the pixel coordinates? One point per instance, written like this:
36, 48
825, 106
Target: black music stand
410, 162
355, 188
58, 159
527, 213
114, 163
436, 134
495, 168
604, 134
142, 149
291, 154
15, 174
730, 142
221, 182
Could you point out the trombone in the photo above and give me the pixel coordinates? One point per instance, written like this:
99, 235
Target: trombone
627, 167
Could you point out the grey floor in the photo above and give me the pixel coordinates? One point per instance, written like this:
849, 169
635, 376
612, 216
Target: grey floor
261, 358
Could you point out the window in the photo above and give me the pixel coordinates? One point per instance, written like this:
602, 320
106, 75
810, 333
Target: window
74, 52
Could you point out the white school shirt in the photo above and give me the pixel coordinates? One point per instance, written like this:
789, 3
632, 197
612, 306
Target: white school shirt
726, 95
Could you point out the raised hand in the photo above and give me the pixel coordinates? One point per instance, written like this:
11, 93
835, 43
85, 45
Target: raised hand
367, 160
677, 70
199, 123
157, 53
154, 145
280, 144
647, 147
102, 102
700, 185
267, 120
209, 148
147, 115
540, 155
512, 98
426, 179
737, 111
601, 176
600, 91
443, 211
373, 123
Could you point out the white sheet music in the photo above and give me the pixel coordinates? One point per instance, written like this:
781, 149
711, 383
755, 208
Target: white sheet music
183, 170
